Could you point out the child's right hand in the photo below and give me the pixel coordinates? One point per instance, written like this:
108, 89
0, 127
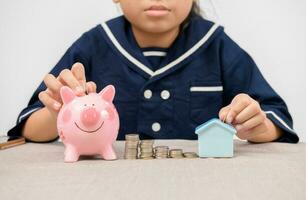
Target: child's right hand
74, 78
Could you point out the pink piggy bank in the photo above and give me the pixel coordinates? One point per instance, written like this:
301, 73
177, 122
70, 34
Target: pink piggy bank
88, 125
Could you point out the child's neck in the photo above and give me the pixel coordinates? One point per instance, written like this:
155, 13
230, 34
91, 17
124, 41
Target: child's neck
163, 40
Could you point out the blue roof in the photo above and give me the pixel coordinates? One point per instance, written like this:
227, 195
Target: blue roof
215, 121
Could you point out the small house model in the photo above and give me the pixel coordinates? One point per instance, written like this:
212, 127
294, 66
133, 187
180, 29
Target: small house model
215, 139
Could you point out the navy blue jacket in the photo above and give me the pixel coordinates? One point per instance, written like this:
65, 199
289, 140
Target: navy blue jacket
202, 72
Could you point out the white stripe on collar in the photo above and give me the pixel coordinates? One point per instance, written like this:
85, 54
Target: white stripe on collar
154, 53
168, 66
189, 52
124, 52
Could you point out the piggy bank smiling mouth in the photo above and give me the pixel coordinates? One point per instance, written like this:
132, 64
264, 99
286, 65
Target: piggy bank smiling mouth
87, 130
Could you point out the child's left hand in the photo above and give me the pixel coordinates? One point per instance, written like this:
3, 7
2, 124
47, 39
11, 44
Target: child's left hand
251, 123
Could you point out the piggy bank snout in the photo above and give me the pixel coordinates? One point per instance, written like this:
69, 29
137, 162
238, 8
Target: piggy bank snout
90, 116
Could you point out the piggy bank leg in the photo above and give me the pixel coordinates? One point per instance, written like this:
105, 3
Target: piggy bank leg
71, 155
108, 153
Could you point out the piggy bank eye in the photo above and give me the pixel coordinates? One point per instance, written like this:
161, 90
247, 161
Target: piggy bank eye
85, 104
104, 114
93, 104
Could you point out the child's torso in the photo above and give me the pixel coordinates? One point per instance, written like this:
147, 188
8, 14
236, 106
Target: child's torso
160, 93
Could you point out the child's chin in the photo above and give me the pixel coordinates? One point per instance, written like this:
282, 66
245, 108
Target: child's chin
162, 26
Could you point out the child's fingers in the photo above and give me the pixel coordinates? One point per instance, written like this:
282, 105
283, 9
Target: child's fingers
91, 87
49, 102
67, 78
239, 103
78, 71
250, 111
223, 112
52, 83
251, 123
54, 95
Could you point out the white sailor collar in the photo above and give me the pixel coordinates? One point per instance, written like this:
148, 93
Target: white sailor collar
195, 37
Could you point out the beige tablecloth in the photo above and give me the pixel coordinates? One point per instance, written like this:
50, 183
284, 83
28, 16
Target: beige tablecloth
261, 171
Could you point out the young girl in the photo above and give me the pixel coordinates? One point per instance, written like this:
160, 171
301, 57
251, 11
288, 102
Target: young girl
172, 70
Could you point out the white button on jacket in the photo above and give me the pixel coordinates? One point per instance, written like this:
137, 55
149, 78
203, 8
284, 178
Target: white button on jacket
156, 127
165, 94
148, 94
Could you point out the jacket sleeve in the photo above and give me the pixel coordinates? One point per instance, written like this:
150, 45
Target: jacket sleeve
73, 54
241, 75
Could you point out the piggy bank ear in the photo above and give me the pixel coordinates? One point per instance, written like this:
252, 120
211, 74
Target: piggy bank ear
108, 93
67, 94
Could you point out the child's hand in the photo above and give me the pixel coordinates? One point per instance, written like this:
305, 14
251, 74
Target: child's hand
74, 78
245, 114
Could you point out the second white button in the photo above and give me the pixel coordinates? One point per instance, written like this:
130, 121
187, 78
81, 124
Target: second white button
165, 94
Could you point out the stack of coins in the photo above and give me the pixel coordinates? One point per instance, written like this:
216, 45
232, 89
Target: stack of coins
176, 153
131, 146
190, 155
161, 152
146, 149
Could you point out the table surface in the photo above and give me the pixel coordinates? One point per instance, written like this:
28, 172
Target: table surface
257, 171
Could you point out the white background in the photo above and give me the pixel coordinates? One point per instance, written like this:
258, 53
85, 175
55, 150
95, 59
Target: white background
34, 34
